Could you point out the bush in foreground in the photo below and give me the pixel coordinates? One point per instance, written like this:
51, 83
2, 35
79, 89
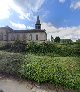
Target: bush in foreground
10, 63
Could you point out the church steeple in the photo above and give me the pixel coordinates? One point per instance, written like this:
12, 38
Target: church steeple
38, 25
38, 21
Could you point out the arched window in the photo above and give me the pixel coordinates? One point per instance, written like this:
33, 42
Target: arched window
30, 36
18, 36
24, 37
36, 37
12, 37
1, 36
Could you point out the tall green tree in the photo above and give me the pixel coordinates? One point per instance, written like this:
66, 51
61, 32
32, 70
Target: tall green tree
57, 39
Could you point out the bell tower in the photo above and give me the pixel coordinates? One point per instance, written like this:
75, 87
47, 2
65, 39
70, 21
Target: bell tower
38, 25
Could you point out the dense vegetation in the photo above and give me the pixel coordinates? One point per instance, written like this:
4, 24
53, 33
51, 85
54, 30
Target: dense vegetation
43, 62
10, 62
63, 71
45, 48
59, 70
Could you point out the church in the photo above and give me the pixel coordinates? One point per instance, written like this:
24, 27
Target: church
7, 34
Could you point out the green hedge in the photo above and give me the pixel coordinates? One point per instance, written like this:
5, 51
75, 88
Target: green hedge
45, 48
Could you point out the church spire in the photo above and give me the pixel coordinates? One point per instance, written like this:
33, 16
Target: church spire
38, 20
38, 25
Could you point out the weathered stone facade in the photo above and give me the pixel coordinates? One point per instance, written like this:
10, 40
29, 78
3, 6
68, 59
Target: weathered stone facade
8, 34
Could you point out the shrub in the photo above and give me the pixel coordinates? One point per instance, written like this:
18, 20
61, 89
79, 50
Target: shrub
45, 48
63, 71
10, 62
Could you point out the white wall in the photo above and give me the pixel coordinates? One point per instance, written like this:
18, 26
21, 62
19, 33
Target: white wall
3, 32
27, 36
21, 36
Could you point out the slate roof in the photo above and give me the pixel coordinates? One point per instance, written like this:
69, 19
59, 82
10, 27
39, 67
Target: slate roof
7, 27
28, 31
23, 31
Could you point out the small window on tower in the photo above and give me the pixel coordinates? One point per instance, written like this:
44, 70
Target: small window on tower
36, 37
38, 27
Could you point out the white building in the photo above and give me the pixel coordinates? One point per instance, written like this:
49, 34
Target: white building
7, 34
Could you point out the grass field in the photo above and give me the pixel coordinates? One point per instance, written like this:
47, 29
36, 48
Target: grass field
64, 71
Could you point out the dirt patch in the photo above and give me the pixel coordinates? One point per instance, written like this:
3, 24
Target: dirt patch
10, 84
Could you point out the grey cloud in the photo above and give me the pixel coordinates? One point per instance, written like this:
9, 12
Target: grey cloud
31, 5
63, 32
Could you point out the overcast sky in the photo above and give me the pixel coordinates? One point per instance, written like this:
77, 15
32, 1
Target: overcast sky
58, 17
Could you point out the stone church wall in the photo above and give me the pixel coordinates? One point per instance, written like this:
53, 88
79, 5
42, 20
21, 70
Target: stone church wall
27, 36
